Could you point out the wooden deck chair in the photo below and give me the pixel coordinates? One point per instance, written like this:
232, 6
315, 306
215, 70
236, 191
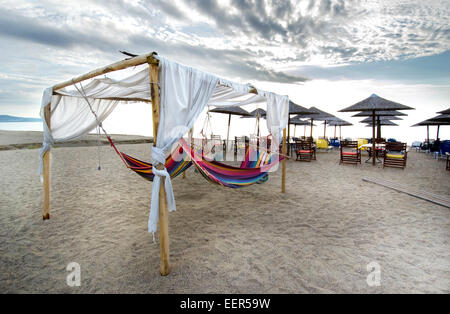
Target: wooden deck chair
395, 155
305, 151
350, 153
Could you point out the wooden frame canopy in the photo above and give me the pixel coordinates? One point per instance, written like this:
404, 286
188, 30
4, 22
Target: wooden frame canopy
153, 63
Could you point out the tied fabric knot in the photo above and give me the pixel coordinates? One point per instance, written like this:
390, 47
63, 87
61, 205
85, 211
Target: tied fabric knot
159, 157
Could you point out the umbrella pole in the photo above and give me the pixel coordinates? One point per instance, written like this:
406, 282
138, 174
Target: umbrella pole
283, 163
373, 138
304, 131
288, 134
428, 137
295, 126
228, 132
340, 133
312, 121
378, 128
324, 129
335, 131
437, 135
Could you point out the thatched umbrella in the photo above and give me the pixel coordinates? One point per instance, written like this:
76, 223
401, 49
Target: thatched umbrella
389, 113
319, 115
231, 110
379, 120
339, 123
299, 111
447, 111
257, 113
297, 121
433, 121
373, 104
385, 123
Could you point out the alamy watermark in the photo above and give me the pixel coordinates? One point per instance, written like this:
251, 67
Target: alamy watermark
374, 277
73, 279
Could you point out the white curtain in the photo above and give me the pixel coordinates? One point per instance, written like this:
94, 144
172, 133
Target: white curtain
184, 94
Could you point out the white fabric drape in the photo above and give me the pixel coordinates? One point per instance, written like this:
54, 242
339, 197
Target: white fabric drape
184, 93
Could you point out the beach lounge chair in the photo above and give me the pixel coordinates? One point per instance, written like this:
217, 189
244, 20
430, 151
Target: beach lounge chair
305, 151
395, 155
350, 153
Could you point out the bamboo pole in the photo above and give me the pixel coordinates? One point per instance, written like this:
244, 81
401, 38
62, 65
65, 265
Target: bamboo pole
283, 164
46, 175
163, 212
120, 65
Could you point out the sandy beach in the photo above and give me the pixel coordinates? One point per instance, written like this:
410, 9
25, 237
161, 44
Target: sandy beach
318, 237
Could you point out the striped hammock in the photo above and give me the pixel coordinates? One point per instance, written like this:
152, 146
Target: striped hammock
252, 170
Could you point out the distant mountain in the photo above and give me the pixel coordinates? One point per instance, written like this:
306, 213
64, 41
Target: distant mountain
6, 118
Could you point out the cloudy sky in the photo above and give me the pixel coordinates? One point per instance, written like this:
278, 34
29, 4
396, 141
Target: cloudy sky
324, 53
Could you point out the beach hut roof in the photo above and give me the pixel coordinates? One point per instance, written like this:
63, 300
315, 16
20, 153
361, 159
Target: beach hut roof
382, 118
297, 109
384, 123
377, 103
380, 113
234, 110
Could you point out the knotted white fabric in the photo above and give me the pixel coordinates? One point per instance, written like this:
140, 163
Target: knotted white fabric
184, 94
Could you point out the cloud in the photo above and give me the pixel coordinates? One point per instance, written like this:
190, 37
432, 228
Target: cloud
249, 40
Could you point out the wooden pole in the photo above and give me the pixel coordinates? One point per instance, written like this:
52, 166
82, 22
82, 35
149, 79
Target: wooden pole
304, 131
340, 132
228, 132
289, 134
283, 164
295, 126
46, 174
428, 137
312, 121
437, 135
325, 129
163, 212
373, 138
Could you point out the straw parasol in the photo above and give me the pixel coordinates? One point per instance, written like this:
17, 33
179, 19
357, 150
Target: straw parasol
379, 119
319, 115
231, 110
433, 121
447, 111
257, 113
299, 111
373, 104
380, 113
339, 123
384, 122
297, 121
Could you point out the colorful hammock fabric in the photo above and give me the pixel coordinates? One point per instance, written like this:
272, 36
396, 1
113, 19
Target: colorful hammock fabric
250, 172
226, 175
175, 164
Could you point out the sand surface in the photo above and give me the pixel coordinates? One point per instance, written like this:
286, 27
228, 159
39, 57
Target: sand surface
316, 238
